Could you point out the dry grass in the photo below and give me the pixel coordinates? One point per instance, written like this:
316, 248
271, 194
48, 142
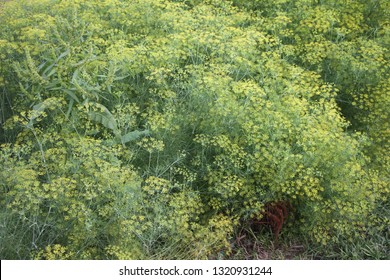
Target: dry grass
262, 246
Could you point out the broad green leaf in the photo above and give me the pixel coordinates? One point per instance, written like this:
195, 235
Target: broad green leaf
134, 135
71, 94
104, 117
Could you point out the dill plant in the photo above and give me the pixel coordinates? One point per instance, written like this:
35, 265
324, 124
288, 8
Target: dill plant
155, 129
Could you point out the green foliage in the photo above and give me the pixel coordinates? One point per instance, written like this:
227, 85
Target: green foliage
155, 129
